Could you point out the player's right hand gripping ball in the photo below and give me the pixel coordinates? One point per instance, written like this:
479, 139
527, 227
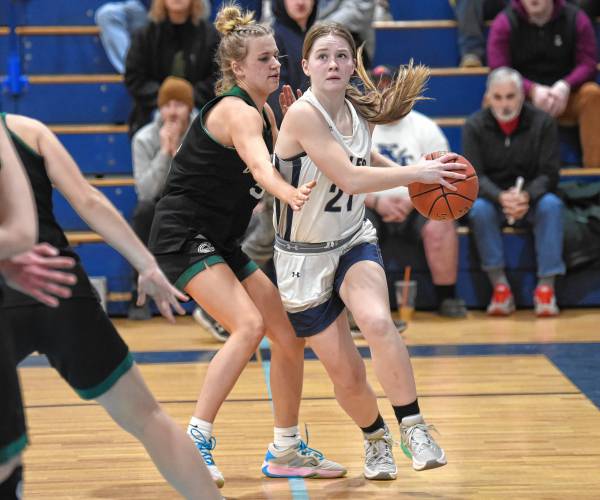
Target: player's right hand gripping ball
436, 202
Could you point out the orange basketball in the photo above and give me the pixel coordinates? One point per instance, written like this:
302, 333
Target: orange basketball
436, 202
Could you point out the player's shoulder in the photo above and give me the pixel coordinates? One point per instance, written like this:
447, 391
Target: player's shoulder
303, 114
22, 124
235, 106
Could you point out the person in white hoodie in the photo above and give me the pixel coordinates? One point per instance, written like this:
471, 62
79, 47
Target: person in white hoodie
153, 147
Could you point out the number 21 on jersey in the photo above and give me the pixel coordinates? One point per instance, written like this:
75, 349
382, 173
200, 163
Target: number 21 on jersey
332, 204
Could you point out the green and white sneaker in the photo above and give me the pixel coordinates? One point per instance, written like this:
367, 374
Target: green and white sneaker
418, 444
379, 459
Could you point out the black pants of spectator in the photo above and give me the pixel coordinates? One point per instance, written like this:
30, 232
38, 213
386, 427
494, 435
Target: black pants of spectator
141, 224
470, 17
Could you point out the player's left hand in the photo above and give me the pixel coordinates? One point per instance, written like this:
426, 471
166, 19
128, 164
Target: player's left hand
286, 98
153, 282
301, 195
39, 274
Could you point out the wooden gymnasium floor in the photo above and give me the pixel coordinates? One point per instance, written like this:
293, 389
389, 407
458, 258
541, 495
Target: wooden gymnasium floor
516, 401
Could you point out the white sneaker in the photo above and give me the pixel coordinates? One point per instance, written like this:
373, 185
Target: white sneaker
205, 447
379, 459
299, 461
418, 444
209, 323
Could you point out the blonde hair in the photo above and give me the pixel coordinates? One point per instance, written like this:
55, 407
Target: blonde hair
237, 27
158, 11
376, 106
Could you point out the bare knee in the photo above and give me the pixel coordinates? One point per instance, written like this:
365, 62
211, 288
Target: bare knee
590, 94
130, 404
376, 326
250, 332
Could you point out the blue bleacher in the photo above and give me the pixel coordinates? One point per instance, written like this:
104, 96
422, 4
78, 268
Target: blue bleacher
100, 153
107, 100
63, 101
421, 10
55, 13
64, 54
398, 45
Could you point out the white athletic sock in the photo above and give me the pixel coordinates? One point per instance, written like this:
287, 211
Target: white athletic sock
202, 425
285, 437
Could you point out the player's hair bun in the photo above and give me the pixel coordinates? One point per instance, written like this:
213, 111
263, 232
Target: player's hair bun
231, 18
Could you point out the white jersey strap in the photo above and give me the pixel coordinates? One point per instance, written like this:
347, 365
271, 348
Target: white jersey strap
311, 99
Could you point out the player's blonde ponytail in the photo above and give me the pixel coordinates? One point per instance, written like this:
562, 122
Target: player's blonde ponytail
236, 27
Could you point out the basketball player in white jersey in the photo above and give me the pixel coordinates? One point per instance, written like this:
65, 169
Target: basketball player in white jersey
326, 256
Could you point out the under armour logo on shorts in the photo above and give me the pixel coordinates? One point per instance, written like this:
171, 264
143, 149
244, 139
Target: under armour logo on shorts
205, 248
295, 274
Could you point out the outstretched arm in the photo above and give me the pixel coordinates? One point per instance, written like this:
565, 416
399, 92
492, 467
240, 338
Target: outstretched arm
305, 124
246, 135
104, 218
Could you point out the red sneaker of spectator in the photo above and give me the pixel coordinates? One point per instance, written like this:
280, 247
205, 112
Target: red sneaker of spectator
545, 302
502, 303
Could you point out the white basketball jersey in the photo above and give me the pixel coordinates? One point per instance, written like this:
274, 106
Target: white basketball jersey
330, 214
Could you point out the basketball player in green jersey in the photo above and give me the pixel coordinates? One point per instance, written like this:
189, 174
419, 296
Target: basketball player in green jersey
77, 336
216, 179
39, 277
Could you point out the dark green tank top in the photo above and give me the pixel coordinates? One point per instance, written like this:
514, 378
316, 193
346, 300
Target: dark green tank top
209, 189
49, 230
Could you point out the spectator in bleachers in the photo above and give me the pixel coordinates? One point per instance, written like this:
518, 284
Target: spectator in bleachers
176, 42
117, 21
512, 139
392, 212
357, 16
470, 18
154, 146
553, 45
291, 21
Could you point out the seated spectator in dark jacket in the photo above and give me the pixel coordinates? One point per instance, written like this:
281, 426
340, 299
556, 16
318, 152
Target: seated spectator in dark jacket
471, 16
153, 147
291, 20
176, 42
553, 45
514, 139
